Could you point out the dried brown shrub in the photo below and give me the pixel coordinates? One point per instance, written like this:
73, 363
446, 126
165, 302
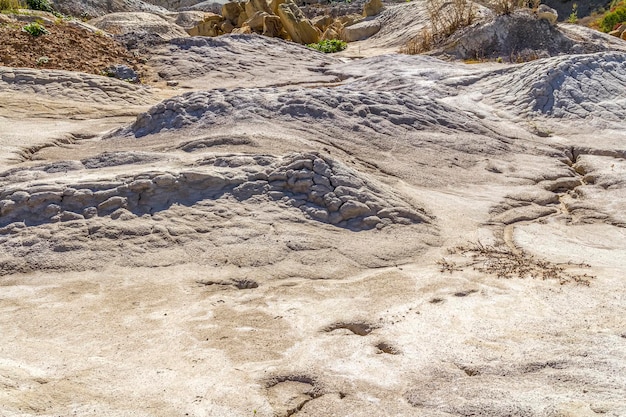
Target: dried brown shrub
445, 18
503, 262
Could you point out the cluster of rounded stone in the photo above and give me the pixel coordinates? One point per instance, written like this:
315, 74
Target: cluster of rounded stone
323, 189
331, 193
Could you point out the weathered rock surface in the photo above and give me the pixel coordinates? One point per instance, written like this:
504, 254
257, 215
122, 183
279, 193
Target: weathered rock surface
360, 31
573, 87
393, 235
380, 112
323, 189
137, 24
75, 86
95, 8
202, 62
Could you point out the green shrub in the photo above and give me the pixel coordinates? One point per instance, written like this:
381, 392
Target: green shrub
329, 46
613, 18
10, 4
35, 29
43, 5
573, 17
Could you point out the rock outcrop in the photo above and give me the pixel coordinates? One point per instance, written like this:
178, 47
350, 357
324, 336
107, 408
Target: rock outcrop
211, 25
372, 8
296, 24
520, 36
360, 31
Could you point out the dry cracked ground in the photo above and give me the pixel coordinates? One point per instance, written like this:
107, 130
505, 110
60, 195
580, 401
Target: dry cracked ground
291, 233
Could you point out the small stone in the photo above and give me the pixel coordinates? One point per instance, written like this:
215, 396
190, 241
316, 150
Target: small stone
321, 180
67, 216
277, 176
112, 203
90, 212
334, 218
345, 181
371, 221
122, 214
51, 210
165, 180
351, 209
140, 185
320, 167
6, 207
20, 196
302, 186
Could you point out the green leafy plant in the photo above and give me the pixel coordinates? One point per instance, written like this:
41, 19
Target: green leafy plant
10, 5
35, 29
329, 45
43, 5
573, 17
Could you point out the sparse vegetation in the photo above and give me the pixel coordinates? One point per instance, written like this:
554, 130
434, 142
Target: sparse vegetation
613, 18
329, 46
445, 19
35, 29
503, 262
9, 5
573, 17
505, 7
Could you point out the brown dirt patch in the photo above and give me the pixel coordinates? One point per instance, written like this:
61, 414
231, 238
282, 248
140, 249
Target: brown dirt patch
66, 47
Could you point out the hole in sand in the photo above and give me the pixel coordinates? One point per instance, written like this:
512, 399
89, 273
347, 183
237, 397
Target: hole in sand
241, 284
245, 284
469, 371
464, 293
361, 329
436, 300
289, 393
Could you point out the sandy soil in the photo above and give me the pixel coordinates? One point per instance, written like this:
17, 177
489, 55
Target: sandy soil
391, 236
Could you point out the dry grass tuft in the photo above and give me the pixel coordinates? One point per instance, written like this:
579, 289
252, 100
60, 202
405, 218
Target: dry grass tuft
502, 262
10, 4
504, 7
445, 17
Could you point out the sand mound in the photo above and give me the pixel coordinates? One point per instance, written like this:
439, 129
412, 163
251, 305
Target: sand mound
334, 109
238, 61
570, 87
93, 8
75, 86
